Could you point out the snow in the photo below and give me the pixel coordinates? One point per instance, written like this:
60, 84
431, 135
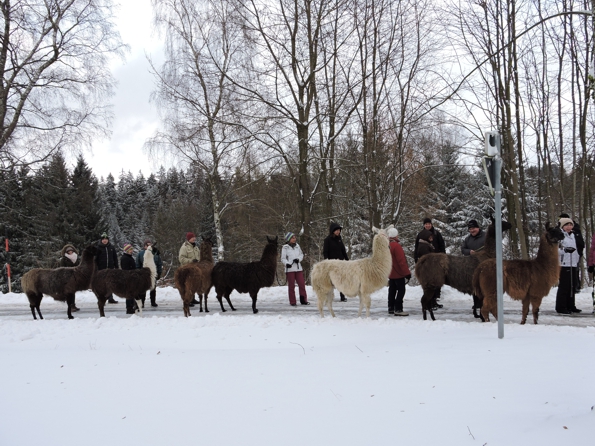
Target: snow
287, 376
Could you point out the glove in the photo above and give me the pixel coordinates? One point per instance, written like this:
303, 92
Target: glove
407, 278
288, 265
569, 250
296, 261
591, 269
194, 260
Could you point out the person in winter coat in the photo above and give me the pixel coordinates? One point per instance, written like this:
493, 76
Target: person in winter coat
475, 240
399, 275
438, 240
425, 244
291, 257
127, 262
580, 249
69, 258
106, 258
189, 252
565, 302
439, 246
334, 248
140, 257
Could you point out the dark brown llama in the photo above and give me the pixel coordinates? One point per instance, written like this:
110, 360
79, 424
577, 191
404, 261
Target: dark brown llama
526, 280
246, 277
128, 284
195, 277
433, 271
60, 283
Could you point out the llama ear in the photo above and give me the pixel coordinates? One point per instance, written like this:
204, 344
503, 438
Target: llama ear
375, 230
547, 225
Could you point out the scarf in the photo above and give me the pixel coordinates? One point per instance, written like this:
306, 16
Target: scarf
72, 257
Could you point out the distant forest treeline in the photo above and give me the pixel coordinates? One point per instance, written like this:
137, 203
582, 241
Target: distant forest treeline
55, 205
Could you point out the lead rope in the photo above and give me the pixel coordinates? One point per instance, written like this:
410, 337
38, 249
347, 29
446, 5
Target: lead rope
277, 276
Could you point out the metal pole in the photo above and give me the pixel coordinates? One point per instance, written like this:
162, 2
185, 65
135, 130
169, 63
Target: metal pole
8, 266
498, 223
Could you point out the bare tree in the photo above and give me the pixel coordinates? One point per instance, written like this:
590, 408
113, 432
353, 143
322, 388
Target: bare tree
202, 127
54, 75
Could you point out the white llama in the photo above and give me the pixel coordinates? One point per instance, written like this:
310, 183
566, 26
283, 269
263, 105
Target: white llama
354, 278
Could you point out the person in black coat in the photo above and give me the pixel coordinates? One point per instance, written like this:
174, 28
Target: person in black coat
580, 249
439, 246
334, 248
106, 258
438, 240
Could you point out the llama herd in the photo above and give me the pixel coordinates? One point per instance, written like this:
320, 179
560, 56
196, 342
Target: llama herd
526, 280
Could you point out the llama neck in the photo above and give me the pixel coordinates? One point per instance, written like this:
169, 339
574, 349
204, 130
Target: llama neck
87, 265
149, 262
547, 254
206, 253
489, 247
381, 254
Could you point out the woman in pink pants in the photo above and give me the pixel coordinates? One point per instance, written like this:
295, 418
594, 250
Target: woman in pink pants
291, 257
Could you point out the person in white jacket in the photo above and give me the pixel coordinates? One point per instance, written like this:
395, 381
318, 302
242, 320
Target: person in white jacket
565, 301
291, 257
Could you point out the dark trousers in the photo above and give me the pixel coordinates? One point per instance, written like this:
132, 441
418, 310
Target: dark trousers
396, 293
565, 296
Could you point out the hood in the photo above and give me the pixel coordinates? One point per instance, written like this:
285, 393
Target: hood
334, 226
425, 235
63, 252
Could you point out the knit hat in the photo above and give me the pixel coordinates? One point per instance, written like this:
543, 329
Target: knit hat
190, 235
427, 220
147, 242
288, 236
564, 215
565, 221
472, 224
104, 235
392, 233
127, 248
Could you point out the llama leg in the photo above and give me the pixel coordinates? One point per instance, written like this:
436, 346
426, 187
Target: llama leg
101, 305
38, 311
33, 304
329, 302
229, 300
320, 302
69, 304
535, 304
254, 296
368, 303
186, 310
361, 306
200, 302
206, 298
426, 299
139, 306
221, 301
525, 310
485, 310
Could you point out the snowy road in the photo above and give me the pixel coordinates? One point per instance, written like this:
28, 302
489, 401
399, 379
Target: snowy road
272, 301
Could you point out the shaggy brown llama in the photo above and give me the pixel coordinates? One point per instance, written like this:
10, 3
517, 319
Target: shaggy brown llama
195, 277
246, 277
359, 277
60, 283
433, 271
526, 280
128, 284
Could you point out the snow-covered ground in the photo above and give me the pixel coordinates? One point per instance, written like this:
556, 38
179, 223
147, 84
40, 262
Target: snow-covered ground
286, 376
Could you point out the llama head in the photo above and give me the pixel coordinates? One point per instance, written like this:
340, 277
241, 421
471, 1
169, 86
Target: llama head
90, 250
273, 241
382, 232
553, 234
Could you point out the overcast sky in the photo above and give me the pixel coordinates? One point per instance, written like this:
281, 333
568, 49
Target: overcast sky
135, 119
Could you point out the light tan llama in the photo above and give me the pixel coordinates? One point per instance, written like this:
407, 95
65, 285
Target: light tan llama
354, 278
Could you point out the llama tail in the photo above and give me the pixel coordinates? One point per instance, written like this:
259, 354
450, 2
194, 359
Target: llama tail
149, 262
477, 282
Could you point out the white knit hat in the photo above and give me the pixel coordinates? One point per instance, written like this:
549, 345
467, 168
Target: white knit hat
565, 221
392, 233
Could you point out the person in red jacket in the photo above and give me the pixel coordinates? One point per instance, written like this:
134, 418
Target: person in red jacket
399, 275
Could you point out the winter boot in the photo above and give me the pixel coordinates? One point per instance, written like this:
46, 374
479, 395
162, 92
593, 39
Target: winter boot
303, 300
342, 297
111, 300
153, 296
